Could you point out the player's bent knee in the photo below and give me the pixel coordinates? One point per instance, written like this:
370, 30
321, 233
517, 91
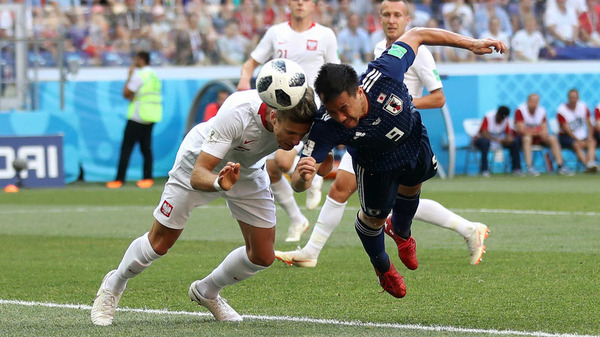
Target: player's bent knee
342, 187
162, 238
262, 259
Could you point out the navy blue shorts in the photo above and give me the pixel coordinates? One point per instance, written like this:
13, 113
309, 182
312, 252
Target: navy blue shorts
565, 141
377, 191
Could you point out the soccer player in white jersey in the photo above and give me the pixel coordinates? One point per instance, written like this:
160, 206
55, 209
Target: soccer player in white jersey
223, 157
423, 73
310, 45
576, 130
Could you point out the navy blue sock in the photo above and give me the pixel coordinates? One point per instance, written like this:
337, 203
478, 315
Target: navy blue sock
373, 241
404, 211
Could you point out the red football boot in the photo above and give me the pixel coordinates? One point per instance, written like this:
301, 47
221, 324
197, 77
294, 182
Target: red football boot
392, 282
407, 248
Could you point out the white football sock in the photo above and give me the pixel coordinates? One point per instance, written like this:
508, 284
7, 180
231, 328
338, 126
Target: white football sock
137, 258
329, 218
284, 195
434, 213
235, 268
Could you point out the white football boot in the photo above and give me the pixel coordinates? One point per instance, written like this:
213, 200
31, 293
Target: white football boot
105, 304
296, 258
296, 230
218, 307
475, 242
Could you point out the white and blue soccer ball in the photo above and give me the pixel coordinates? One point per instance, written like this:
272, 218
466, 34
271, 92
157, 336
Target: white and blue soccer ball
281, 83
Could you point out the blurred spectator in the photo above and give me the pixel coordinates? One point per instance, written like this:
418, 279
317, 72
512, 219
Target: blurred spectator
77, 31
212, 108
460, 9
341, 15
159, 29
483, 14
576, 130
233, 47
224, 14
322, 14
532, 126
245, 18
519, 14
455, 54
418, 17
527, 43
561, 24
589, 23
495, 33
98, 35
495, 133
193, 30
372, 22
353, 42
436, 51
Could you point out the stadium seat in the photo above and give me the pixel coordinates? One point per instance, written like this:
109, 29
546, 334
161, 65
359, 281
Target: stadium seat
115, 59
42, 58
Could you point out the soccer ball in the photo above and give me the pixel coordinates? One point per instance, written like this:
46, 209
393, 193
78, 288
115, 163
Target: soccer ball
281, 83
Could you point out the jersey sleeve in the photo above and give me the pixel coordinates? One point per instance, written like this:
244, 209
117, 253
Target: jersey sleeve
226, 126
395, 60
319, 142
264, 50
519, 116
427, 71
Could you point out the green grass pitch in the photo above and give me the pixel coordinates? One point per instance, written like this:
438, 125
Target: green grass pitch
539, 277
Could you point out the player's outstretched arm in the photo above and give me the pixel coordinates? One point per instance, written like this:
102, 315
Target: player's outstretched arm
441, 37
203, 179
247, 71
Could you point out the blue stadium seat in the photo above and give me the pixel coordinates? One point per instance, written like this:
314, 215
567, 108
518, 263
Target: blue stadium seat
158, 58
115, 59
81, 57
43, 59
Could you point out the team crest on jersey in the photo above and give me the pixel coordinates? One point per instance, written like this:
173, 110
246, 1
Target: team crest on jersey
381, 97
166, 209
311, 44
393, 105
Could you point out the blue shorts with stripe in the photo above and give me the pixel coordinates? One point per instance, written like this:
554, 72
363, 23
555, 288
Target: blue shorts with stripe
377, 191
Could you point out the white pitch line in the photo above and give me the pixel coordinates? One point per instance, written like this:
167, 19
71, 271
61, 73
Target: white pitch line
310, 320
90, 209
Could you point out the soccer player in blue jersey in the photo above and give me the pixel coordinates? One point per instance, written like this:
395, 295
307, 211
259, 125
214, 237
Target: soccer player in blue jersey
375, 118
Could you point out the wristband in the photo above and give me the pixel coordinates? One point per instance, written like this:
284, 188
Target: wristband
217, 186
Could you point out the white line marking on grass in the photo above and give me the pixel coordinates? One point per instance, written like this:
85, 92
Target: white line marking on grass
310, 320
90, 209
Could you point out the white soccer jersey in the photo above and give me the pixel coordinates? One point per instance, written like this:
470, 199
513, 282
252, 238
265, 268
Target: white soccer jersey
528, 44
310, 49
576, 119
531, 120
496, 130
422, 73
236, 134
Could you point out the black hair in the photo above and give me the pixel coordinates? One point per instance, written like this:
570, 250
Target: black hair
333, 79
303, 112
144, 55
503, 111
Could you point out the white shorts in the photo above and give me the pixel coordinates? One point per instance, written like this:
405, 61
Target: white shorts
346, 163
249, 201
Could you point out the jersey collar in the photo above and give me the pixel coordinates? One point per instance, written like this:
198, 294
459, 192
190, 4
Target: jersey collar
262, 112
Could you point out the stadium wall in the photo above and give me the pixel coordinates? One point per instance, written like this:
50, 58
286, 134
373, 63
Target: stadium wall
93, 117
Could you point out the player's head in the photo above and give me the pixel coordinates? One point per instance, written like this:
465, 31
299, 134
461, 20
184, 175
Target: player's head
337, 87
301, 9
532, 101
502, 112
290, 126
394, 18
573, 96
142, 58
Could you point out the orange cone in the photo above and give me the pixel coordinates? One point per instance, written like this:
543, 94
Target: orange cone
11, 189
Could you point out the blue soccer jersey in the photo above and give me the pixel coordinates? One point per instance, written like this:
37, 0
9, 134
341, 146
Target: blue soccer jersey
389, 136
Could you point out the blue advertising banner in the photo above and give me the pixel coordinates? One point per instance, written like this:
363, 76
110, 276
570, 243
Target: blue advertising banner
43, 156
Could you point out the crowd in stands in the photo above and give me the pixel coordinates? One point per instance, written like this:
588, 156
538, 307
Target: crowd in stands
216, 32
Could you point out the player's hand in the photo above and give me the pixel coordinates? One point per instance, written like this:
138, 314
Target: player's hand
306, 167
229, 175
488, 46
